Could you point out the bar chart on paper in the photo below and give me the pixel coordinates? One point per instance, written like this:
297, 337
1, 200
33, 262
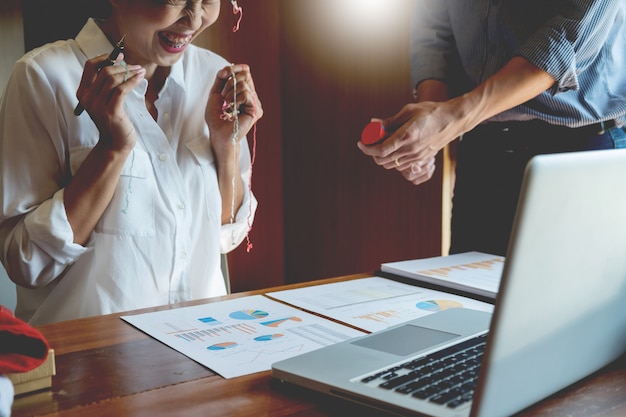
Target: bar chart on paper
467, 271
374, 303
474, 272
381, 316
202, 334
240, 336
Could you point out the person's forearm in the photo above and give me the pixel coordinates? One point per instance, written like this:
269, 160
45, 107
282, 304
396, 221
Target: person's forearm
91, 190
516, 83
230, 184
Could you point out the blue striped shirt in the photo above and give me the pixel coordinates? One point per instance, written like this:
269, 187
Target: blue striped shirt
580, 43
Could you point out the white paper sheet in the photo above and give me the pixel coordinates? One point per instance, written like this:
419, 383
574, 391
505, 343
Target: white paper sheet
240, 336
475, 272
374, 303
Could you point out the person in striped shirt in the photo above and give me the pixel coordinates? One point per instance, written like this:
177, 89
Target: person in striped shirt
511, 79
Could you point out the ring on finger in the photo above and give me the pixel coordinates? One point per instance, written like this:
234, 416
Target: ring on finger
396, 162
127, 72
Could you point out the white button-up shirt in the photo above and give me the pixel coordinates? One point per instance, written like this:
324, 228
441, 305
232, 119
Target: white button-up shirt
159, 240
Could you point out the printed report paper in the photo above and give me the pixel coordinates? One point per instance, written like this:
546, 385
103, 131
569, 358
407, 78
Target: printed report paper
473, 272
240, 336
374, 303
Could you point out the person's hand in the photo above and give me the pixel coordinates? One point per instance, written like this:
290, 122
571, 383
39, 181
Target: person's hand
224, 100
419, 174
418, 132
102, 91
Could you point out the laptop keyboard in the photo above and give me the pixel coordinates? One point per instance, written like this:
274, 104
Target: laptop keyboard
447, 377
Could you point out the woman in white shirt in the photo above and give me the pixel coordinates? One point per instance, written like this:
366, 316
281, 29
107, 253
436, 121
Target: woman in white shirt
129, 204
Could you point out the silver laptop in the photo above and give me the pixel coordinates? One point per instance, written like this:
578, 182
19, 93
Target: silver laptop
559, 315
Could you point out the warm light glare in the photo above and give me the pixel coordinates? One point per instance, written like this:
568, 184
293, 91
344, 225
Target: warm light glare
358, 18
366, 11
367, 35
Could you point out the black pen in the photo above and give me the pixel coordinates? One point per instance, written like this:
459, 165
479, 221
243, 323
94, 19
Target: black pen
119, 47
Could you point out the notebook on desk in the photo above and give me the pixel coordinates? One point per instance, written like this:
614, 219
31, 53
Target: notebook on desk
559, 314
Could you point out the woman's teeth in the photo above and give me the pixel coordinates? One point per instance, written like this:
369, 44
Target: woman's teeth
175, 41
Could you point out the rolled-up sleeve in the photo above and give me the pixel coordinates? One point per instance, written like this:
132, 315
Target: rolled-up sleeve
232, 234
571, 40
432, 42
51, 239
36, 237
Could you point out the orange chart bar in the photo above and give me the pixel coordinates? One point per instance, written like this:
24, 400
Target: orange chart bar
379, 316
445, 271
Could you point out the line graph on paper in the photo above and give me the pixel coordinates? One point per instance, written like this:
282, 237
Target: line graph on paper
242, 335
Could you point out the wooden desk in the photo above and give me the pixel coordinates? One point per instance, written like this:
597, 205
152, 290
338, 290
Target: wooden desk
106, 367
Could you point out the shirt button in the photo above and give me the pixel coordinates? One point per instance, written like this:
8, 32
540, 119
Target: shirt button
163, 157
183, 255
181, 205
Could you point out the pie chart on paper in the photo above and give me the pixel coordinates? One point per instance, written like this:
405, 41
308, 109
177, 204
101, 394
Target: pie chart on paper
222, 346
438, 305
248, 314
268, 337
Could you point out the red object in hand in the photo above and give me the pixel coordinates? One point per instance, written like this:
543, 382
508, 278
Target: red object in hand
374, 132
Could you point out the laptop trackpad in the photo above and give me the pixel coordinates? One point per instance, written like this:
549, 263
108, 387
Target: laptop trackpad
405, 340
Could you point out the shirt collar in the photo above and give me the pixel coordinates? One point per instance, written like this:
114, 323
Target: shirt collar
176, 72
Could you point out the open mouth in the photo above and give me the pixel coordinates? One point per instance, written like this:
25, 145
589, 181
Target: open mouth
174, 42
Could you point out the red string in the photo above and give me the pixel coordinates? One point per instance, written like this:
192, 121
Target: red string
237, 10
249, 243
